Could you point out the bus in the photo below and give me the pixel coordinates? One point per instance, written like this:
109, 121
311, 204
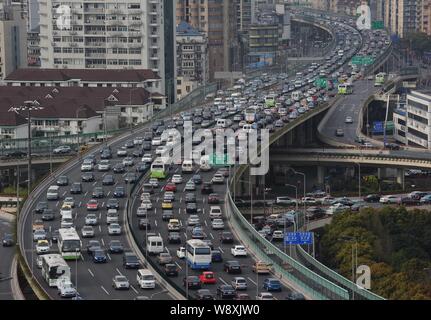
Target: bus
159, 168
270, 101
198, 255
250, 115
55, 269
69, 244
345, 88
380, 79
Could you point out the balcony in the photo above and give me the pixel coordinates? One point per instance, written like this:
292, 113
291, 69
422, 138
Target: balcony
89, 10
95, 22
135, 34
153, 57
95, 55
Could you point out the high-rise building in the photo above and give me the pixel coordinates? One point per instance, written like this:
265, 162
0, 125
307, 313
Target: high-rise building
403, 16
112, 34
425, 18
244, 14
13, 39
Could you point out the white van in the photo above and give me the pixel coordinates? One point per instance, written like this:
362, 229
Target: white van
146, 279
221, 123
187, 166
53, 193
205, 164
155, 245
247, 128
215, 212
218, 101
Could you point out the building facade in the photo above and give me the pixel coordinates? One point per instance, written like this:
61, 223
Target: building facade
33, 47
13, 39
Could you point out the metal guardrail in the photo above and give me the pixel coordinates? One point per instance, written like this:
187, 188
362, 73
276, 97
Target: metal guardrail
362, 294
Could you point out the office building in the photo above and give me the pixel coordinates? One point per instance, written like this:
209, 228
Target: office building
403, 16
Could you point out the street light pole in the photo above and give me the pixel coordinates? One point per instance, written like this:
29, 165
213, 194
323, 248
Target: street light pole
294, 223
302, 174
359, 179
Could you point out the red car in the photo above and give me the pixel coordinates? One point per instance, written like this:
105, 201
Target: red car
213, 198
171, 187
207, 277
92, 205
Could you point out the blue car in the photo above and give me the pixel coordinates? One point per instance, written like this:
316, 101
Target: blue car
216, 256
426, 199
99, 256
272, 284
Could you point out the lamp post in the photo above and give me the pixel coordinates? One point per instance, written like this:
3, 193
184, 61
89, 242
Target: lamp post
304, 176
28, 107
77, 128
359, 179
294, 217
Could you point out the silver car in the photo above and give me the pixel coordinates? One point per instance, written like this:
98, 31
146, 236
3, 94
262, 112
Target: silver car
120, 282
114, 229
87, 232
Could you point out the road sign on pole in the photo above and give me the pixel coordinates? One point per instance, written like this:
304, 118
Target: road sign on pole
298, 238
377, 25
362, 60
218, 160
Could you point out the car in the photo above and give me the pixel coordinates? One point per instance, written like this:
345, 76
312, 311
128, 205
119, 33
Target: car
216, 256
92, 205
62, 181
372, 198
92, 245
119, 192
315, 213
226, 237
170, 187
348, 120
108, 180
91, 219
98, 193
217, 224
171, 270
206, 188
264, 296
272, 284
191, 208
66, 290
407, 201
238, 251
41, 206
69, 201
142, 167
390, 199
287, 201
207, 277
113, 204
144, 224
61, 150
226, 292
204, 294
76, 188
130, 177
295, 296
119, 168
114, 229
167, 214
190, 197
120, 282
261, 267
197, 233
129, 144
174, 237
128, 161
154, 182
115, 246
167, 204
131, 261
232, 266
164, 258
87, 165
392, 146
177, 179
87, 232
88, 177
99, 256
104, 165
197, 179
7, 240
193, 282
39, 234
239, 283
190, 186
213, 198
426, 199
169, 196
193, 220
339, 133
48, 215
277, 235
218, 178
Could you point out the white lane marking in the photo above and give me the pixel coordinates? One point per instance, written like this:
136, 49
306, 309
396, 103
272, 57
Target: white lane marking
103, 204
155, 211
211, 235
221, 279
115, 183
155, 223
86, 193
82, 257
203, 210
95, 182
178, 265
167, 250
103, 242
181, 223
64, 193
100, 228
80, 203
119, 272
109, 257
105, 290
161, 190
109, 192
181, 199
157, 199
185, 235
76, 216
206, 223
100, 215
58, 202
179, 210
221, 249
251, 280
92, 274
133, 288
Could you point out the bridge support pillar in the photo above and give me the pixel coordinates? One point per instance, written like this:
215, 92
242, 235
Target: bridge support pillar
381, 173
320, 175
401, 178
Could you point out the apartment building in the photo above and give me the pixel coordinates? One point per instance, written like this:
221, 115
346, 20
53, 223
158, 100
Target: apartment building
413, 124
13, 39
120, 34
425, 17
403, 16
33, 48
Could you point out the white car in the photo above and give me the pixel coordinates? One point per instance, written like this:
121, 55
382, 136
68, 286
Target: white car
238, 251
216, 212
112, 216
66, 223
277, 235
147, 158
193, 220
177, 179
87, 232
87, 166
348, 120
217, 224
147, 204
91, 219
390, 199
114, 229
154, 182
42, 246
121, 152
265, 296
337, 208
128, 161
120, 282
285, 201
69, 201
66, 289
181, 253
157, 141
66, 211
161, 150
217, 178
138, 141
141, 212
104, 165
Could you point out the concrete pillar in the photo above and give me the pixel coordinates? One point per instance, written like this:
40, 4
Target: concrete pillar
381, 173
320, 175
401, 178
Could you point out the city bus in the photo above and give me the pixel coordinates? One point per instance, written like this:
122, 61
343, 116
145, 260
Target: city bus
159, 168
380, 79
250, 115
270, 101
345, 88
55, 269
69, 244
198, 254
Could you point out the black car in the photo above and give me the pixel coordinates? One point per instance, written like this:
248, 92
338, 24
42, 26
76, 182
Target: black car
41, 206
76, 188
160, 130
131, 261
92, 245
138, 153
98, 193
106, 154
193, 282
129, 144
204, 294
148, 136
130, 177
190, 198
407, 201
62, 181
148, 188
207, 188
88, 177
146, 146
392, 146
315, 213
232, 266
372, 198
7, 240
226, 237
197, 179
15, 154
119, 168
174, 237
108, 180
171, 270
113, 204
167, 215
142, 167
48, 215
226, 291
191, 207
119, 192
54, 236
144, 224
115, 246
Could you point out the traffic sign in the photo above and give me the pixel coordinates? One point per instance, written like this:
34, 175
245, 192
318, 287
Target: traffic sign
321, 83
218, 160
377, 25
298, 238
362, 60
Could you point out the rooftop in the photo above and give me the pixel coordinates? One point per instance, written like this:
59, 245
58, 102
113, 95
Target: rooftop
183, 28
